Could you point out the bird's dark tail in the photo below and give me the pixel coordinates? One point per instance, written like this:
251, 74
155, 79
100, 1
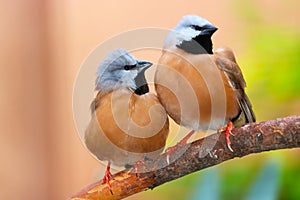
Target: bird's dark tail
247, 108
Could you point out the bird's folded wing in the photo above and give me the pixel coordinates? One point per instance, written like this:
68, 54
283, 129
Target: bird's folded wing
226, 62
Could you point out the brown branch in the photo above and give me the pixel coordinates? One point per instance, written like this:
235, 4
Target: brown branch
251, 138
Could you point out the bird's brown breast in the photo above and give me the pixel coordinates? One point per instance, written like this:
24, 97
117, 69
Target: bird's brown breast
127, 124
193, 90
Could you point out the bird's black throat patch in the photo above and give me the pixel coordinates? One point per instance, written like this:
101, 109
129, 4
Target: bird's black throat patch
141, 83
142, 90
201, 44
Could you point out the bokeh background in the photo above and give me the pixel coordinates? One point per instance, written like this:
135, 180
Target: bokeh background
43, 44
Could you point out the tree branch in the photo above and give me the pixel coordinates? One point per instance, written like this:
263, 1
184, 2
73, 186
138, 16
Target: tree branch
209, 151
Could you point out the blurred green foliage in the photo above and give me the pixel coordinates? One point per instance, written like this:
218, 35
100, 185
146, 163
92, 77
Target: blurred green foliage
273, 71
271, 63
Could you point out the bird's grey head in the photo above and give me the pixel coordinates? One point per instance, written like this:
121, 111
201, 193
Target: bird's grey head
121, 70
192, 34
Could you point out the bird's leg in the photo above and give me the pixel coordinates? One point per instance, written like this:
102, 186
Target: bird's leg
141, 163
107, 177
228, 128
182, 142
137, 165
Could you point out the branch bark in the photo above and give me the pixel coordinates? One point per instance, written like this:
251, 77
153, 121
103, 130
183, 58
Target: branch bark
251, 138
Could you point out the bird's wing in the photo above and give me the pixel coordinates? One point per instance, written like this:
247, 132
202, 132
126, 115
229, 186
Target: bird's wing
226, 62
95, 103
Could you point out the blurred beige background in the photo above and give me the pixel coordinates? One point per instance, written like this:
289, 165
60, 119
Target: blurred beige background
43, 44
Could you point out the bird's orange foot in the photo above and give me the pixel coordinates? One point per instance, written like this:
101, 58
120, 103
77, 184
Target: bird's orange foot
107, 177
228, 132
182, 142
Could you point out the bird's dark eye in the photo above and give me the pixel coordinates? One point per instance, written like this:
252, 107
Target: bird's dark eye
129, 67
198, 28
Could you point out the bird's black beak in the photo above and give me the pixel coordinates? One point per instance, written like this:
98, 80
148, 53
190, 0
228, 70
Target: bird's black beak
143, 64
208, 29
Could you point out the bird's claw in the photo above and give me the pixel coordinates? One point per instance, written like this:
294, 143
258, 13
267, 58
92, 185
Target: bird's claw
228, 132
137, 165
180, 143
169, 152
228, 143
